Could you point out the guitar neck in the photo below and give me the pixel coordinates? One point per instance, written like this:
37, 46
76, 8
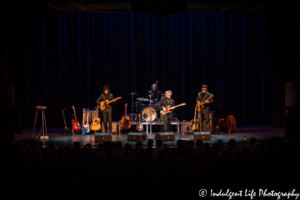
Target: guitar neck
176, 106
75, 115
195, 112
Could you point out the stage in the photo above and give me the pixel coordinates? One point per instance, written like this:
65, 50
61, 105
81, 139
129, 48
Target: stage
56, 136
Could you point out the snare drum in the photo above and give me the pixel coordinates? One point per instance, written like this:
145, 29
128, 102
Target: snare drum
149, 114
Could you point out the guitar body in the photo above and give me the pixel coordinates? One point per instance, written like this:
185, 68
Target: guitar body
86, 126
105, 105
96, 125
139, 125
195, 125
76, 125
125, 124
228, 124
202, 102
165, 110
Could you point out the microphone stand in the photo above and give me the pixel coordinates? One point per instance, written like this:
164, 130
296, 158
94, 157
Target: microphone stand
150, 117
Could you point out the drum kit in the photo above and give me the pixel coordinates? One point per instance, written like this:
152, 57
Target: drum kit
146, 110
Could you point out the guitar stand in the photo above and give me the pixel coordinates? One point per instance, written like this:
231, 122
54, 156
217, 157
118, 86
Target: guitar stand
66, 128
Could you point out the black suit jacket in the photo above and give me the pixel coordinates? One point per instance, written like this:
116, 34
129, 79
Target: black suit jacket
164, 102
106, 97
206, 96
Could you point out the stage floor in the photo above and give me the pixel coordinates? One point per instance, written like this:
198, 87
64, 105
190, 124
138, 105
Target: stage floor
56, 135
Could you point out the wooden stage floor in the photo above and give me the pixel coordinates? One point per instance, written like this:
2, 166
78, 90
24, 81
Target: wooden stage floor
56, 136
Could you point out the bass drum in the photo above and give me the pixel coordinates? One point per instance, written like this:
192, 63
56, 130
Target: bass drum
149, 114
228, 124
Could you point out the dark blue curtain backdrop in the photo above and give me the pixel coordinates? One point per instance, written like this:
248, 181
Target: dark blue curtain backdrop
59, 60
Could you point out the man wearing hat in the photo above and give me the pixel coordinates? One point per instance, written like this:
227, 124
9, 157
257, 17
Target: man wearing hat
107, 112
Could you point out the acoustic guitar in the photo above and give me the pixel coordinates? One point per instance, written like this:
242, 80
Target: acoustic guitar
106, 103
96, 125
168, 108
203, 102
125, 124
76, 124
195, 124
86, 125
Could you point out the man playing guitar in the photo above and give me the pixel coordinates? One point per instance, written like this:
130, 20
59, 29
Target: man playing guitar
166, 101
203, 97
107, 112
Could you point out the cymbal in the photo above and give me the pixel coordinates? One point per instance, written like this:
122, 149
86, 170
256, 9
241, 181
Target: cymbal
132, 93
142, 99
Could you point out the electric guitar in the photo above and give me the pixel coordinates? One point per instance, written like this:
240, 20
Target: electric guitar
106, 103
76, 124
194, 122
96, 125
86, 126
203, 102
168, 108
125, 124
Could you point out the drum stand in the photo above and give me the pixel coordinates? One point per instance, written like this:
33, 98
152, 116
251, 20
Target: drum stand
44, 125
66, 128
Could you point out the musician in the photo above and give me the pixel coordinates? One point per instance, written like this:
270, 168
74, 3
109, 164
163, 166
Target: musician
107, 112
166, 101
203, 96
155, 97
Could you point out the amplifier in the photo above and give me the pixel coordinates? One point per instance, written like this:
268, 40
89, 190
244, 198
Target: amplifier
103, 137
202, 136
114, 126
137, 136
165, 136
185, 126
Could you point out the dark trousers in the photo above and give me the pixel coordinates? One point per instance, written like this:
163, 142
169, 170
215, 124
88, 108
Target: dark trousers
107, 113
204, 112
167, 122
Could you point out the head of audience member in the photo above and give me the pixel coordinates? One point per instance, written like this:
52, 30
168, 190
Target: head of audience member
159, 143
150, 143
199, 143
231, 144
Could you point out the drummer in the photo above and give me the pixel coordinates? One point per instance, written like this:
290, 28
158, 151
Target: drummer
154, 98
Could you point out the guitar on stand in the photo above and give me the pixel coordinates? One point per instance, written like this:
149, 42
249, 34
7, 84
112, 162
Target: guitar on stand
96, 125
106, 103
86, 126
195, 124
139, 125
125, 124
76, 124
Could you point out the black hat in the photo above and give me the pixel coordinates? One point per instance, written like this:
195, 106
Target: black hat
105, 87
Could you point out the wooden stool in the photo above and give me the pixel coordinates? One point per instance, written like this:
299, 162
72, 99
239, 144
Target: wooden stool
44, 125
